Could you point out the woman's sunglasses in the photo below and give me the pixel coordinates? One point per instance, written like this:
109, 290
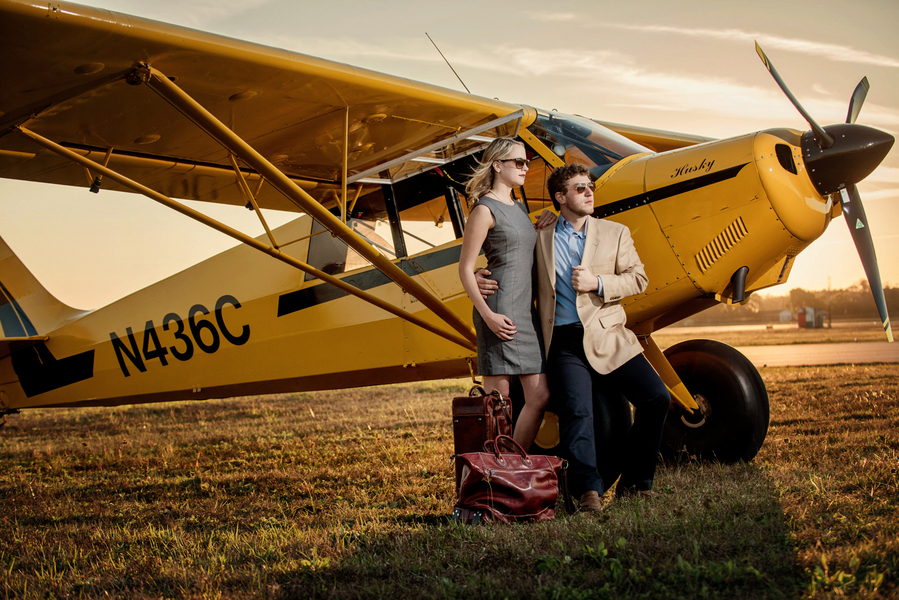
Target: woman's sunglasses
519, 162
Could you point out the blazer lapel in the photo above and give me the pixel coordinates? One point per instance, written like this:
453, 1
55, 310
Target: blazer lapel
547, 252
591, 243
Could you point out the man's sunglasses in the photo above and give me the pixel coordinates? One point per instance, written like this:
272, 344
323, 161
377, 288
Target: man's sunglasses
580, 188
519, 162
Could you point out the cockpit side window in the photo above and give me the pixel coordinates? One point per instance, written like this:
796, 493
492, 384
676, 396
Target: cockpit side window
399, 220
577, 139
427, 209
534, 190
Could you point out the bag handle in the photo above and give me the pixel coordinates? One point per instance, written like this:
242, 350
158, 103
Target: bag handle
481, 391
504, 404
511, 445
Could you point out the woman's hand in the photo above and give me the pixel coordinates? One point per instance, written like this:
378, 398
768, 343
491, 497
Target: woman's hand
546, 219
501, 326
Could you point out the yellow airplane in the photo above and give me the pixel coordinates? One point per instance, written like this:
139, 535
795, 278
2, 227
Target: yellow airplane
362, 287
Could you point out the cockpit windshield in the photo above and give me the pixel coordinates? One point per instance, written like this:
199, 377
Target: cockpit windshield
577, 139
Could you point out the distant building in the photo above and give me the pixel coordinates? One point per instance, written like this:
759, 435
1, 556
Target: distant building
785, 316
811, 318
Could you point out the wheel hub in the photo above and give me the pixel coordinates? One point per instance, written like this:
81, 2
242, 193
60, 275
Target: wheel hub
699, 417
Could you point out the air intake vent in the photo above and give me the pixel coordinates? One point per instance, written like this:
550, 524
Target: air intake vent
785, 157
719, 246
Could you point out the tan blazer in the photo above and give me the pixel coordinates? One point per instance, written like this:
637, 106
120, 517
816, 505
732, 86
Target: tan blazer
608, 252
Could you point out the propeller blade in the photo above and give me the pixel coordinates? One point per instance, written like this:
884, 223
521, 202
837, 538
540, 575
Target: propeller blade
822, 138
854, 213
858, 98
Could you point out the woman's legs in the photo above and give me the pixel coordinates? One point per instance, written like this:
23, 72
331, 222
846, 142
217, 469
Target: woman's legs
499, 383
536, 397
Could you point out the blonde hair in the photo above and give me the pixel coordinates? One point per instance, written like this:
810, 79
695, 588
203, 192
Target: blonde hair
482, 177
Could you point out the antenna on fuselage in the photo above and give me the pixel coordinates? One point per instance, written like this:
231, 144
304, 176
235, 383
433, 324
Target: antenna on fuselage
449, 65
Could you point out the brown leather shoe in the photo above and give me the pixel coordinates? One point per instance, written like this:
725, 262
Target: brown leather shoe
590, 502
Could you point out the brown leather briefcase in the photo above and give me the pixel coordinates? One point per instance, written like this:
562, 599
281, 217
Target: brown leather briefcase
478, 417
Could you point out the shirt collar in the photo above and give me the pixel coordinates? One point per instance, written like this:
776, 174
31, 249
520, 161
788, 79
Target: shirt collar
564, 225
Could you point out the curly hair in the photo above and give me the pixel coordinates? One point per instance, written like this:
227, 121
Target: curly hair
482, 177
558, 180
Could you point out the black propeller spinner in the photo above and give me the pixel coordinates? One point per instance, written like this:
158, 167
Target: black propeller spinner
837, 157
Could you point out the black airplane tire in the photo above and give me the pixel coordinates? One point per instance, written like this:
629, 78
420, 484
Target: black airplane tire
727, 385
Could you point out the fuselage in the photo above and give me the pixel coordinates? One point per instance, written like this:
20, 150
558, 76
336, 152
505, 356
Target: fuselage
697, 215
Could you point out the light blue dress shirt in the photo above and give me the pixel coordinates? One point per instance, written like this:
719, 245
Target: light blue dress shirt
568, 246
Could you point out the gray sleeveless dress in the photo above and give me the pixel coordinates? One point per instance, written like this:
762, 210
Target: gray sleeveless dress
509, 248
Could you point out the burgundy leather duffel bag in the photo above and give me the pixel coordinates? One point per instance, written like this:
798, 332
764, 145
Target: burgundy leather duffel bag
510, 486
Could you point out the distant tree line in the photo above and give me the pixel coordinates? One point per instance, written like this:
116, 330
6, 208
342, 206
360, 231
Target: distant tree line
854, 302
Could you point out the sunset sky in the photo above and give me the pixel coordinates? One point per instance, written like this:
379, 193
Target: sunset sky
687, 66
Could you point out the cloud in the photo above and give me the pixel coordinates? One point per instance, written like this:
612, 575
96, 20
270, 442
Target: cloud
884, 175
505, 58
834, 52
656, 107
868, 196
609, 78
544, 16
622, 81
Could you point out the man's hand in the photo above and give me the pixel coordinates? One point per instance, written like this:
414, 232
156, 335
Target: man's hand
546, 219
582, 280
485, 286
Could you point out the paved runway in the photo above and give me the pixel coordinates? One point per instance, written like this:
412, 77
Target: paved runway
822, 354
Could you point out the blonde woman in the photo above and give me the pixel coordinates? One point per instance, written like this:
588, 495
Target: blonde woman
506, 322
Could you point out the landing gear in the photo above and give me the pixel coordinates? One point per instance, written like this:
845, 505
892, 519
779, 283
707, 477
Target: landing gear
733, 414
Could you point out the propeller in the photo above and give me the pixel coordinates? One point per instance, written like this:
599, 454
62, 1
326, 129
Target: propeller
837, 157
858, 98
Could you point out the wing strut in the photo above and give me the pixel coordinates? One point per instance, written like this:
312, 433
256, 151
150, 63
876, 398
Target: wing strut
242, 237
250, 198
345, 165
190, 108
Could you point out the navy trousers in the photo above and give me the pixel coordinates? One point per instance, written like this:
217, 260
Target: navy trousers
572, 383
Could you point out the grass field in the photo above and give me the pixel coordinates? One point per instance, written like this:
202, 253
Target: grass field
345, 494
775, 334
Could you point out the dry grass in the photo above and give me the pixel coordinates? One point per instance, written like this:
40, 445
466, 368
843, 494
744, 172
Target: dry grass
833, 453
345, 495
776, 335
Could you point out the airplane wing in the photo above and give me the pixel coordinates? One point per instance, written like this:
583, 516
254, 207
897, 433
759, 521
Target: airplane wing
67, 75
656, 139
102, 100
